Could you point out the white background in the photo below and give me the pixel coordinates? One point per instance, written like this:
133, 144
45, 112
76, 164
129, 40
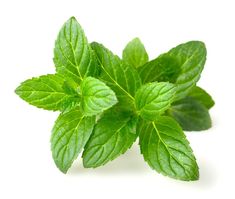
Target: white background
27, 33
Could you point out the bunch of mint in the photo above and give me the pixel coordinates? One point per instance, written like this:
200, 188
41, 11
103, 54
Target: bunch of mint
107, 102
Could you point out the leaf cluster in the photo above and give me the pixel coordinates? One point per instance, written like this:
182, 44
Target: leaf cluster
107, 102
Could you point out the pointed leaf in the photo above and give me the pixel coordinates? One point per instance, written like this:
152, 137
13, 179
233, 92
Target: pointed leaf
134, 53
190, 114
96, 96
165, 148
153, 99
69, 135
121, 78
73, 57
46, 92
114, 133
191, 57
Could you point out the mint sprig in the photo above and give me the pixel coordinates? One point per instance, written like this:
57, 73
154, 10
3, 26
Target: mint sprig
106, 102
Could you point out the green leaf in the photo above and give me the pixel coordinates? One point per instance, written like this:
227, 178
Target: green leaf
190, 114
121, 78
96, 96
164, 68
191, 58
134, 53
202, 96
45, 92
166, 150
182, 65
73, 57
114, 133
69, 135
153, 99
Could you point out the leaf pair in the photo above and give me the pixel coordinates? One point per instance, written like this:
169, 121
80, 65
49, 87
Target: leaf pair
107, 102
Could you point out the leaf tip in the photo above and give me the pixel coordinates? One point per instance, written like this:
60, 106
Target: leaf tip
194, 177
73, 18
198, 42
136, 39
63, 170
60, 166
17, 92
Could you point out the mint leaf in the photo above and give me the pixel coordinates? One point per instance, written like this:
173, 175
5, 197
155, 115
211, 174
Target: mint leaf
166, 150
182, 65
69, 135
164, 68
45, 92
153, 99
202, 96
114, 133
190, 114
121, 78
134, 53
73, 57
191, 57
96, 96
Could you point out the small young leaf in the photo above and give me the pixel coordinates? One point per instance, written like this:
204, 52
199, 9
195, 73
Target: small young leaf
153, 99
45, 92
73, 57
202, 96
114, 133
134, 53
165, 148
70, 87
96, 96
190, 114
121, 78
164, 68
69, 135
